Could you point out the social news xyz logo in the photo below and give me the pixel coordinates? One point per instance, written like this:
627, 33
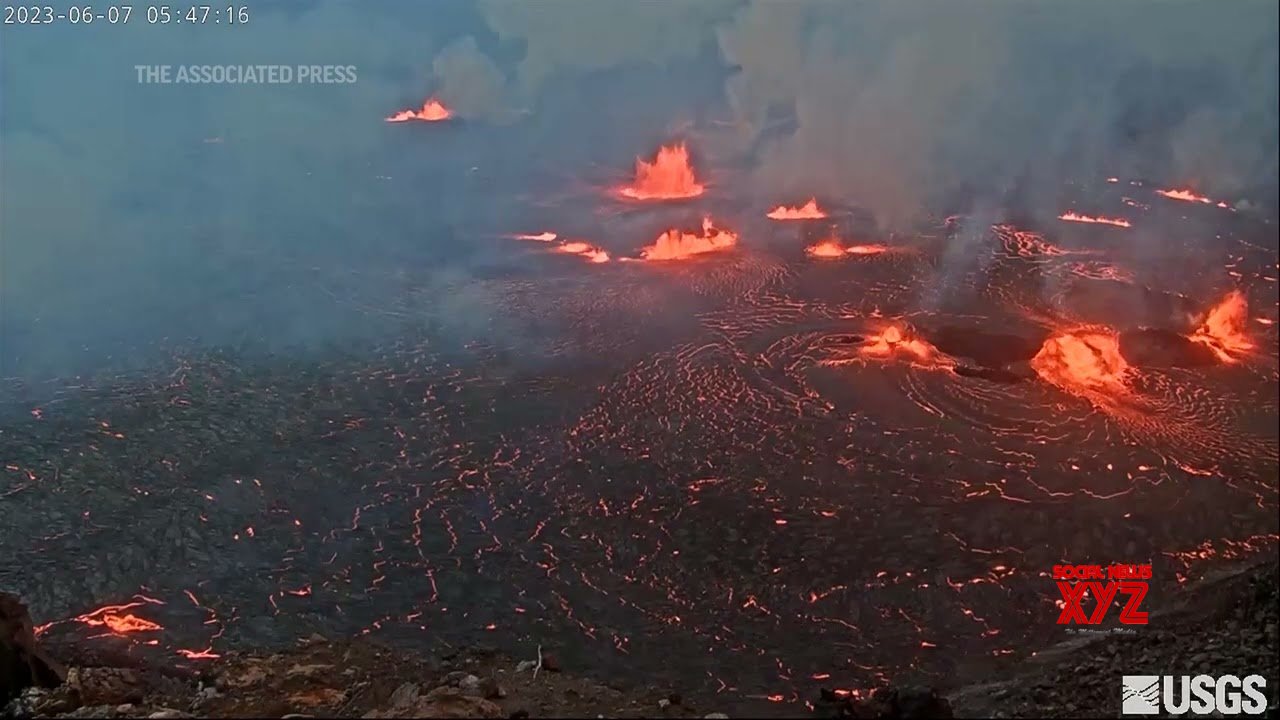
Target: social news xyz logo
1200, 695
1076, 582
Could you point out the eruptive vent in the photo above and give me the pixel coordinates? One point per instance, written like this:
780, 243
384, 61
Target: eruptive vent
431, 111
826, 249
1083, 360
893, 341
1223, 329
676, 244
808, 211
669, 177
831, 248
1096, 220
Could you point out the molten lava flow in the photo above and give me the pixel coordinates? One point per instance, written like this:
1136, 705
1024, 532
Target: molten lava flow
678, 245
1082, 360
809, 211
668, 177
866, 249
1223, 328
540, 237
826, 249
432, 111
1077, 217
590, 252
1184, 195
116, 620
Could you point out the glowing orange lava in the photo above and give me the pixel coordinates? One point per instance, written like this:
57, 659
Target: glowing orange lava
893, 341
866, 249
826, 249
831, 248
678, 245
1077, 217
586, 250
1223, 329
540, 237
668, 177
1086, 359
809, 211
1184, 195
115, 619
432, 111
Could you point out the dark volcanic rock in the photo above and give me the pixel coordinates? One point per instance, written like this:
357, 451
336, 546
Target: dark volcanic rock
22, 663
905, 702
1154, 347
988, 349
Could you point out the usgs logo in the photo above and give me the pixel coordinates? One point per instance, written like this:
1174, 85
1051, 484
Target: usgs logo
1199, 695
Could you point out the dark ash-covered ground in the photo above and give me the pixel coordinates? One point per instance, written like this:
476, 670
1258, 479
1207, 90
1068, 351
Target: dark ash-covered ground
685, 476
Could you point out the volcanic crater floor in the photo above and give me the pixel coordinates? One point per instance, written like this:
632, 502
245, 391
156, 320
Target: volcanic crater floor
752, 473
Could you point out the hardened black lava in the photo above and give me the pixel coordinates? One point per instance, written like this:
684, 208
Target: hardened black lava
754, 472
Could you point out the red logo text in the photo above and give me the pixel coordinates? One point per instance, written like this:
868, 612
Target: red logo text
1105, 585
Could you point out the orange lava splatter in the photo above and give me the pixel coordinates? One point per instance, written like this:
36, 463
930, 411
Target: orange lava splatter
1223, 328
678, 245
540, 237
668, 177
432, 111
1077, 217
808, 211
1082, 360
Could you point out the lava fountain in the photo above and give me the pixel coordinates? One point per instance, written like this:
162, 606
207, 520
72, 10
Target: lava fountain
826, 249
432, 111
669, 177
808, 211
1223, 328
1083, 360
677, 245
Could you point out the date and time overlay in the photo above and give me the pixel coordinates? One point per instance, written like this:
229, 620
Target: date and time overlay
88, 14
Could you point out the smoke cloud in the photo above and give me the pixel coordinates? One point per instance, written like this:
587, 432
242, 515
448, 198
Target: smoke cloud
470, 82
139, 214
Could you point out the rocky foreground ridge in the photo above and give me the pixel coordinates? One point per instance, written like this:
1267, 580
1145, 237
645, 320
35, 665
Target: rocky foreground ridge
1226, 625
